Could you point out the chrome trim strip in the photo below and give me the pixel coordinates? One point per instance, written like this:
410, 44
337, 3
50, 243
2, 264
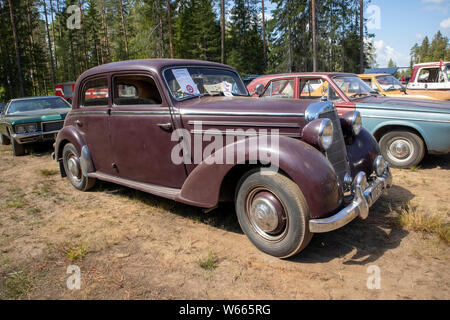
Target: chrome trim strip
243, 124
142, 112
409, 119
236, 113
237, 134
86, 112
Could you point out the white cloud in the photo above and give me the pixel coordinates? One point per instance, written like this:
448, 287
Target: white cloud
445, 24
432, 1
385, 53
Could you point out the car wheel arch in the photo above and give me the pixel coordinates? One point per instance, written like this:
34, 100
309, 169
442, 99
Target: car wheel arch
296, 160
381, 130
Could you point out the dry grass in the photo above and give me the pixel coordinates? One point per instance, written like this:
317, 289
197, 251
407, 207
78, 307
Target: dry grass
411, 219
18, 284
49, 172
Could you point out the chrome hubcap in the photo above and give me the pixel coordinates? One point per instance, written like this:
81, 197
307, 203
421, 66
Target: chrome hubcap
401, 149
73, 164
266, 214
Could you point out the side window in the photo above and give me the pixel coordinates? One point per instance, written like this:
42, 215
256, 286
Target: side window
280, 89
429, 75
370, 83
316, 89
95, 93
135, 90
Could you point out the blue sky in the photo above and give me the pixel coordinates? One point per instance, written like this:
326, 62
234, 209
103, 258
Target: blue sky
405, 22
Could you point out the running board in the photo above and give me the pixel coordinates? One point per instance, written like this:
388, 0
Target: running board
170, 193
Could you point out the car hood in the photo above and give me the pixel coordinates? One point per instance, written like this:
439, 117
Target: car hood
37, 116
245, 105
381, 102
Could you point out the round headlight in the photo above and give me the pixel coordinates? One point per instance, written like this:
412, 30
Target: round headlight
356, 123
325, 134
32, 127
20, 129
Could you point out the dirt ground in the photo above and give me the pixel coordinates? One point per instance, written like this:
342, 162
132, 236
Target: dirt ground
131, 245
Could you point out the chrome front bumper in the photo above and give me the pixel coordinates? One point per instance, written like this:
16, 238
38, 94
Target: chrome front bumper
31, 137
364, 196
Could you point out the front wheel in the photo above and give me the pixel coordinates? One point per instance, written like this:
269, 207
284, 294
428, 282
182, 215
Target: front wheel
273, 213
4, 140
403, 149
72, 167
18, 149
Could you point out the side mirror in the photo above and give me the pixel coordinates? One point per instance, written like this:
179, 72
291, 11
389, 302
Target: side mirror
259, 89
403, 89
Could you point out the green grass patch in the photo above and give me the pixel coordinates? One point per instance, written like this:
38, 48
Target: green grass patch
209, 263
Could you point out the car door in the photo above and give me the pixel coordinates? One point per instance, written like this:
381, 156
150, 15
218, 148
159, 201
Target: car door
91, 118
141, 127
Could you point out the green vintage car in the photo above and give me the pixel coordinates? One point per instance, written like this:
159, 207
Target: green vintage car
31, 120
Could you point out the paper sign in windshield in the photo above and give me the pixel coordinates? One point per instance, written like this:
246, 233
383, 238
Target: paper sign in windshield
185, 81
227, 88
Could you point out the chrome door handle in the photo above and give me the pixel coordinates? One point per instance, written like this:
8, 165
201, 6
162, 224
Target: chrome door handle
78, 123
166, 126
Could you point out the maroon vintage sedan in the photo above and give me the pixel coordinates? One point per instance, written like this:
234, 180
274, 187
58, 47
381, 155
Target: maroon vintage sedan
189, 131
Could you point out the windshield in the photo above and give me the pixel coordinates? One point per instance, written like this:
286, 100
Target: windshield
389, 83
190, 82
31, 105
353, 86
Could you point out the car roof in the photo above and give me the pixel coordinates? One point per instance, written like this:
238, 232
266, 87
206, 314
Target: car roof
298, 74
155, 65
370, 75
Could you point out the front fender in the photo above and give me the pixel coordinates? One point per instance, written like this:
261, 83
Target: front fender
306, 166
68, 134
362, 153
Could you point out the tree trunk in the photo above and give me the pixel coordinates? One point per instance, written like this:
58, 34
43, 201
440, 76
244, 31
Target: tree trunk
49, 44
169, 22
264, 33
161, 32
124, 29
222, 30
86, 57
16, 45
105, 31
314, 34
53, 32
33, 58
361, 36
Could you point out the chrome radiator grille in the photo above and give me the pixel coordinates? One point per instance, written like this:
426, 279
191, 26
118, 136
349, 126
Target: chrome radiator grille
337, 153
52, 126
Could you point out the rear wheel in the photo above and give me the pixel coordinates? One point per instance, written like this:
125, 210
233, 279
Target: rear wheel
72, 167
273, 213
18, 149
403, 149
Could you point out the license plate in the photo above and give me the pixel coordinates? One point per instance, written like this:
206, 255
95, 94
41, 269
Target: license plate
377, 191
